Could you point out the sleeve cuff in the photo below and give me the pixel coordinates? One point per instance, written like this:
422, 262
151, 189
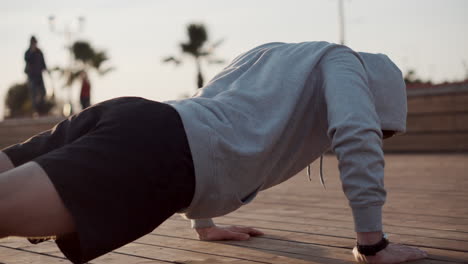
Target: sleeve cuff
202, 223
367, 219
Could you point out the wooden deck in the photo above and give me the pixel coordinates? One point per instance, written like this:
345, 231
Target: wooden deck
427, 207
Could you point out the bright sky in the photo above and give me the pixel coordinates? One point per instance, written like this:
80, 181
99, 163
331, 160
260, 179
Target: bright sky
427, 35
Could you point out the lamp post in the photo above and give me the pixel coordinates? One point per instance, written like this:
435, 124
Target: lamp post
341, 21
68, 32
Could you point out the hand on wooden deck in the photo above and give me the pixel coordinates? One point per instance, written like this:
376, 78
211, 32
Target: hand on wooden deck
393, 253
216, 233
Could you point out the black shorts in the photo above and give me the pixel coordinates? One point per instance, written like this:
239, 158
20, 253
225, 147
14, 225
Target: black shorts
121, 167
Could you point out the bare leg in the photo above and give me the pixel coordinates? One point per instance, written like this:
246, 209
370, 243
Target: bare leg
30, 205
5, 163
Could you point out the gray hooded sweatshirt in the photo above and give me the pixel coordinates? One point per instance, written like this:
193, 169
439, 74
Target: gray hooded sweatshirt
277, 108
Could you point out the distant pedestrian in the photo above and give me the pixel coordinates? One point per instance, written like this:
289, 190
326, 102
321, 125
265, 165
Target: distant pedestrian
85, 94
35, 65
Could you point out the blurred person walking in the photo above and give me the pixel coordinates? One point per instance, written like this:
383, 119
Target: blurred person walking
85, 94
35, 65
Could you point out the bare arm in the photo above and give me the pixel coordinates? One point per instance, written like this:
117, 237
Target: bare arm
356, 136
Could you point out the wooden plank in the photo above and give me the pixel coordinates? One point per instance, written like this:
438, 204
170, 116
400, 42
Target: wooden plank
14, 131
435, 122
178, 254
426, 207
186, 238
44, 120
341, 236
345, 220
327, 227
18, 250
403, 185
139, 252
438, 103
17, 256
13, 137
246, 250
277, 240
292, 206
430, 142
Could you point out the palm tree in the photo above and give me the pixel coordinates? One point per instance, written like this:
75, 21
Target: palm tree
85, 58
196, 47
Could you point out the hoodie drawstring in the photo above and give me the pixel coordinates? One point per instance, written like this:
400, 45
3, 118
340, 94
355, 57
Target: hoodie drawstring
322, 181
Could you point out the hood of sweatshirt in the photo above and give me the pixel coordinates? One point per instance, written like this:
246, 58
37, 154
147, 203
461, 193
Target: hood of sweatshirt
389, 90
269, 113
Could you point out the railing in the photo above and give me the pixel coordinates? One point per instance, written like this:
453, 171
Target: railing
437, 122
13, 131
